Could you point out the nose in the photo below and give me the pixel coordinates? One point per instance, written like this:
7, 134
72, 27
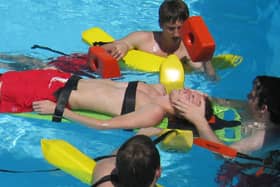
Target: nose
176, 31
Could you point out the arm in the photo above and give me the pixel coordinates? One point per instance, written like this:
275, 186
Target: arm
119, 48
250, 143
210, 71
234, 103
206, 67
146, 116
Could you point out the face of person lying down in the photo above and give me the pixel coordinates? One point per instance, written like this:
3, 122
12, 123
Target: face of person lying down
186, 94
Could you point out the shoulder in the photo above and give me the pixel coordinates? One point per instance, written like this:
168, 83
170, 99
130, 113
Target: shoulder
104, 167
272, 136
141, 34
138, 37
251, 143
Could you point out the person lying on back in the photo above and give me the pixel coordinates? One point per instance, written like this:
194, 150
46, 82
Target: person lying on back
50, 91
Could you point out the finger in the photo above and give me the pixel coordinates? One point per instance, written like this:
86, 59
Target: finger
182, 107
37, 110
118, 56
35, 106
197, 100
35, 103
114, 52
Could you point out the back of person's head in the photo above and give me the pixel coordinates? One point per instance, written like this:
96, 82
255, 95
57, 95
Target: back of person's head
267, 91
172, 11
137, 162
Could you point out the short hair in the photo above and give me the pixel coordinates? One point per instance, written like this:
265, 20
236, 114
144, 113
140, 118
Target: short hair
173, 10
136, 162
268, 91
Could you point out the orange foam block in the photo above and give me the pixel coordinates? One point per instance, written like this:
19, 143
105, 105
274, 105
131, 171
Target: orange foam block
101, 62
197, 39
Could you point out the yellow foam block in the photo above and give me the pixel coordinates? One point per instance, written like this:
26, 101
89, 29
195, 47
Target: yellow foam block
179, 140
69, 159
96, 34
172, 73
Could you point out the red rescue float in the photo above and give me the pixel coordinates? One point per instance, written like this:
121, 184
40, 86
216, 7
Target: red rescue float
197, 39
101, 62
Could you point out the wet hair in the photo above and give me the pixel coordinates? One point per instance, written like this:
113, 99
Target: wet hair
267, 91
136, 162
208, 108
173, 10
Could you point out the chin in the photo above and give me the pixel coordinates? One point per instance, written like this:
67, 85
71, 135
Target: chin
176, 39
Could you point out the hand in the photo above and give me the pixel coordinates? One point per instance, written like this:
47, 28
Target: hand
119, 50
191, 108
44, 107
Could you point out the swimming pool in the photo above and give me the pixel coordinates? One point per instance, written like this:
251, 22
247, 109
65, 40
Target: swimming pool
249, 29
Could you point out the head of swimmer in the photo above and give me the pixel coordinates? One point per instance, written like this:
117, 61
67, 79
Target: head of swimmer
264, 98
193, 96
172, 14
138, 163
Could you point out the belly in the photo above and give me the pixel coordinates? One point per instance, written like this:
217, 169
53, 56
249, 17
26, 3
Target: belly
109, 102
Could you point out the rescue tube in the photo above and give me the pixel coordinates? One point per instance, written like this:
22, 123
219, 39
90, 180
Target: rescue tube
147, 62
69, 159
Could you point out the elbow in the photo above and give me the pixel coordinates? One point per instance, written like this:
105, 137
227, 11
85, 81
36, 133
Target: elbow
156, 117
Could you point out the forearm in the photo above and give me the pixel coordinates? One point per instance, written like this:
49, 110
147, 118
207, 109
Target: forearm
88, 121
238, 104
142, 118
210, 70
205, 131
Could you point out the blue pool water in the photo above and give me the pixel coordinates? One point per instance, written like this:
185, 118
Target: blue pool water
247, 28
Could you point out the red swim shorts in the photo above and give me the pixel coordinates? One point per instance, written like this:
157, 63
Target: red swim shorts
21, 88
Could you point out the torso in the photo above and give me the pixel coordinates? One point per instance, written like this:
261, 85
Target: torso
90, 95
150, 42
152, 45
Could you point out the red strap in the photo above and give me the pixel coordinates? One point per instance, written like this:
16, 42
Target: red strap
215, 147
212, 120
